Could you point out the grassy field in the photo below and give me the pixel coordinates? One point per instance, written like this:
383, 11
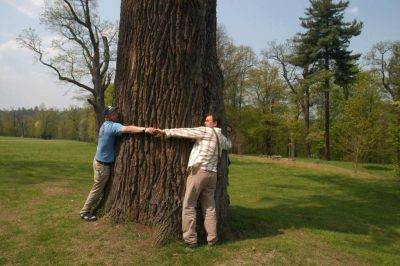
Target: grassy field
284, 213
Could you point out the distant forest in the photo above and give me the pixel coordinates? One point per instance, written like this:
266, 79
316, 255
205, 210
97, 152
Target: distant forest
294, 99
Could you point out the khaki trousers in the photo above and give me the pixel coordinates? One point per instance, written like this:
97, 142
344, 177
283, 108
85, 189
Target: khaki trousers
200, 185
101, 175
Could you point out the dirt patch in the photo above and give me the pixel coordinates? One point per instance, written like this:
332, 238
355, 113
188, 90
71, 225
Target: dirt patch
54, 188
12, 219
106, 243
8, 215
252, 256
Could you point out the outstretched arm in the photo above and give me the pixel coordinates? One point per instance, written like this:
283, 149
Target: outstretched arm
136, 130
189, 133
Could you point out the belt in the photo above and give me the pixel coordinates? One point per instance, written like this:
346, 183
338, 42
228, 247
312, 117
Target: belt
103, 163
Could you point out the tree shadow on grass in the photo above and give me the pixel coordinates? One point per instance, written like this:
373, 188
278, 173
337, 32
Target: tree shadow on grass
386, 168
344, 205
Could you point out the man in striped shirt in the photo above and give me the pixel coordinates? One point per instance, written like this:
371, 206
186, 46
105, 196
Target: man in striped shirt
202, 179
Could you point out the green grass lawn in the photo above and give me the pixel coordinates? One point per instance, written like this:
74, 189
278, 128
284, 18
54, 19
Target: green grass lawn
304, 212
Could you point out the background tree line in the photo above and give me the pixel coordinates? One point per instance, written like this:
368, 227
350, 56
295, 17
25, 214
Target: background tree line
308, 96
273, 104
265, 98
265, 111
75, 123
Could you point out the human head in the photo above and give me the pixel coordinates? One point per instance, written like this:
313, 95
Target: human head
111, 113
211, 120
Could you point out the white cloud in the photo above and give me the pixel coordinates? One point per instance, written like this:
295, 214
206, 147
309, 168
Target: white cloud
12, 47
9, 46
26, 83
31, 85
38, 3
32, 88
29, 8
355, 11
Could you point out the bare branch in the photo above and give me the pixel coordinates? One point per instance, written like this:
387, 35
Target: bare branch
279, 53
106, 54
80, 57
75, 16
29, 39
380, 56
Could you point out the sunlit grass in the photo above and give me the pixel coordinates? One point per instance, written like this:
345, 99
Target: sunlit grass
282, 213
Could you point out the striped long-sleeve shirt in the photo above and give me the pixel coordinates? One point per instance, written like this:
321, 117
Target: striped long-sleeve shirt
205, 151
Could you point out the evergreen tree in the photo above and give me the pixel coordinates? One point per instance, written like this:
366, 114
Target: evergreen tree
323, 50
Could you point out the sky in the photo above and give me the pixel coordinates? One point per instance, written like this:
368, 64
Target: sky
254, 23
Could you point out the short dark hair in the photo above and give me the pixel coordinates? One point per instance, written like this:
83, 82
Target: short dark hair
215, 117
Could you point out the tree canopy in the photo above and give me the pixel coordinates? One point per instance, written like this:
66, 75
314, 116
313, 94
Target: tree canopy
82, 51
323, 49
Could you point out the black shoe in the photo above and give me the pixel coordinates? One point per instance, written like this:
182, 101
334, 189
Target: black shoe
88, 217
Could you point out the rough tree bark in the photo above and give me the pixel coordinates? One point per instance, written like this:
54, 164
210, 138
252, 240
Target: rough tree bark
167, 76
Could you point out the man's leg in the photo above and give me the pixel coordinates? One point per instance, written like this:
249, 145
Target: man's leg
189, 211
208, 207
194, 185
101, 175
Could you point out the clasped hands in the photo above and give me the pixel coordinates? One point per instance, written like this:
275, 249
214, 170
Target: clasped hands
156, 132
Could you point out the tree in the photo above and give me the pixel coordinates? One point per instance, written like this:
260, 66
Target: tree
324, 49
235, 63
267, 96
360, 120
385, 58
84, 50
46, 122
295, 75
167, 76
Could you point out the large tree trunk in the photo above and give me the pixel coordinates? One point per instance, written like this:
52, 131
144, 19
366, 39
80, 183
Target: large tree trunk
99, 108
167, 76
